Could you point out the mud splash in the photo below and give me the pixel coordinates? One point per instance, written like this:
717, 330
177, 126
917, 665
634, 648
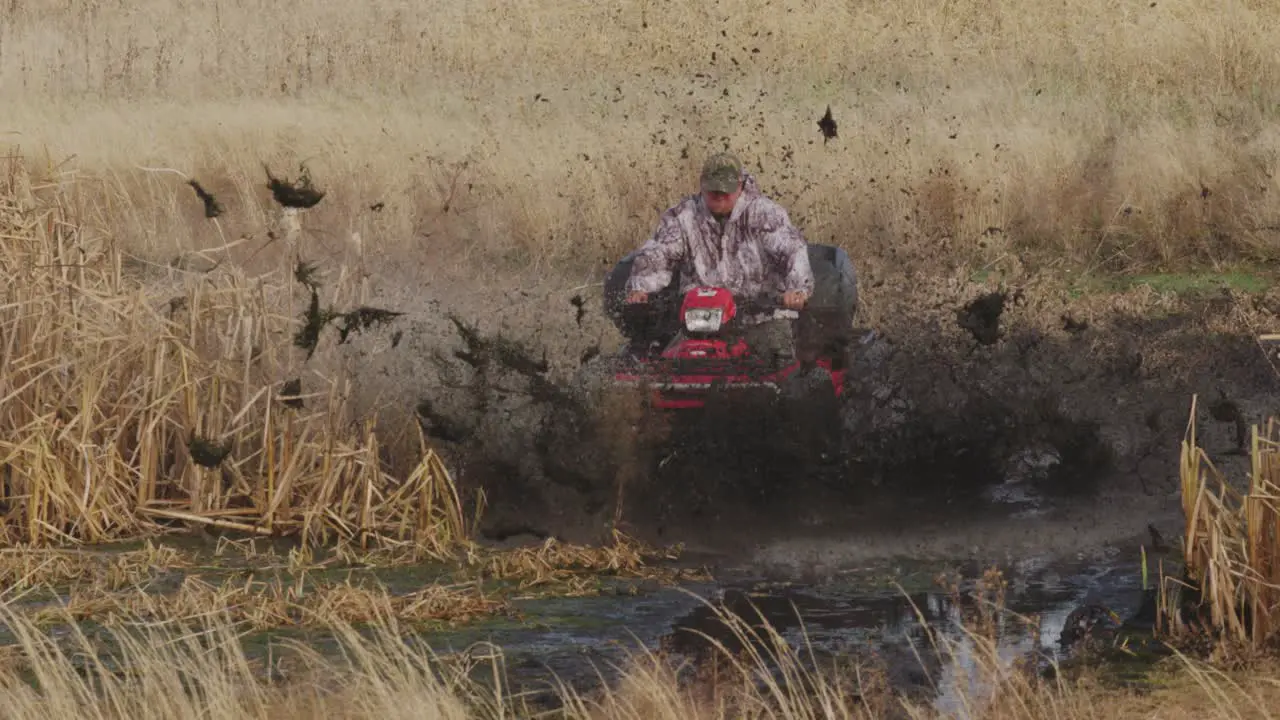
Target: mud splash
928, 417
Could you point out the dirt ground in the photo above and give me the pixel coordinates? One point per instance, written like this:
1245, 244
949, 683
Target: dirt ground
1077, 399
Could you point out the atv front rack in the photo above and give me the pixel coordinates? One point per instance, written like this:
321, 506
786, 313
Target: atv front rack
684, 383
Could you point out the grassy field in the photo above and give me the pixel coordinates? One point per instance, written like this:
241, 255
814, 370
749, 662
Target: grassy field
488, 140
544, 135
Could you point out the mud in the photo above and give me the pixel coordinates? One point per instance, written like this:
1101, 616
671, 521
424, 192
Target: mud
905, 624
960, 398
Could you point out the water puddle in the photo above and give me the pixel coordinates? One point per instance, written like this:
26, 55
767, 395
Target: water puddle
849, 615
860, 611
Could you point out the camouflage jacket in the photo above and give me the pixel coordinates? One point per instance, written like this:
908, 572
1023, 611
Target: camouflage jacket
757, 251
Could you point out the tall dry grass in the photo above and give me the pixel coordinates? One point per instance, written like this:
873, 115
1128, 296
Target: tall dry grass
125, 409
1231, 592
547, 135
199, 668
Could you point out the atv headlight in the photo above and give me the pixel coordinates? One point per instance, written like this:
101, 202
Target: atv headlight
703, 319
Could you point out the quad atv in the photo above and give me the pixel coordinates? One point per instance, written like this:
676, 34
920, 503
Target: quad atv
710, 355
687, 385
688, 346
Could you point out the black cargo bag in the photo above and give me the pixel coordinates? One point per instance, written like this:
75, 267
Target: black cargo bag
826, 326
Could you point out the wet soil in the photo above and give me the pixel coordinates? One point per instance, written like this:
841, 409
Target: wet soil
891, 616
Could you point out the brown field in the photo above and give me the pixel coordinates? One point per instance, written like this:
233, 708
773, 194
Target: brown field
478, 148
546, 136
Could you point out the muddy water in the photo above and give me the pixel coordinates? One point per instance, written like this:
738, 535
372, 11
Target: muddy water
877, 608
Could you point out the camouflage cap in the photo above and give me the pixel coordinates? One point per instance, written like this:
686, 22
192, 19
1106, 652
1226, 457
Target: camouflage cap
721, 173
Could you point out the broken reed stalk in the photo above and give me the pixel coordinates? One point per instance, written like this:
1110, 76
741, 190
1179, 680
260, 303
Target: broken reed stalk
121, 406
280, 601
1232, 540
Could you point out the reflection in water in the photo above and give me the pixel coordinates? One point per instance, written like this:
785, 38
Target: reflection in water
888, 628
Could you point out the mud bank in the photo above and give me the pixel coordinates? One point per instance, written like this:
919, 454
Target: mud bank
961, 397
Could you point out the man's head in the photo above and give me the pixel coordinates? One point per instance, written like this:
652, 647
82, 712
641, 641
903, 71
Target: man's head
721, 183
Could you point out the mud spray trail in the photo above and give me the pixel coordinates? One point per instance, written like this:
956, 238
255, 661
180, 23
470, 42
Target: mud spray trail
1034, 429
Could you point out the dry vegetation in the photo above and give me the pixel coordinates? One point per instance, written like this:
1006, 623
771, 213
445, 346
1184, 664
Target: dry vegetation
24, 568
542, 136
1230, 592
266, 605
199, 667
549, 134
121, 410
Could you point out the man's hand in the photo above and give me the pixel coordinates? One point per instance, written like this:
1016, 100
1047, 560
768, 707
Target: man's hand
795, 299
636, 296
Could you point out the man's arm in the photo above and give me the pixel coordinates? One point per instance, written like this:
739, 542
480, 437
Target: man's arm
787, 251
653, 263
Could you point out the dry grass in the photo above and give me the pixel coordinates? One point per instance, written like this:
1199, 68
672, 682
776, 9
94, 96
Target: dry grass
580, 567
555, 567
23, 568
264, 590
123, 409
1232, 549
200, 668
277, 603
548, 135
294, 597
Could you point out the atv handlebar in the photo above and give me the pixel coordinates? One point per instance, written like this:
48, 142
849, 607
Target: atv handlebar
753, 305
760, 304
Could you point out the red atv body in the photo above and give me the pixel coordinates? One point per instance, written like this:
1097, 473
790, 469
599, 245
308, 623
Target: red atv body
710, 355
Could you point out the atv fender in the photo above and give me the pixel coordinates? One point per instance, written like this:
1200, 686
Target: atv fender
835, 283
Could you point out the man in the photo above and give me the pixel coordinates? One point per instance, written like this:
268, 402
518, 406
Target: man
730, 235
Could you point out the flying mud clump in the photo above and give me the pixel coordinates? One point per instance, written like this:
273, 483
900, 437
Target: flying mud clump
298, 194
315, 319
